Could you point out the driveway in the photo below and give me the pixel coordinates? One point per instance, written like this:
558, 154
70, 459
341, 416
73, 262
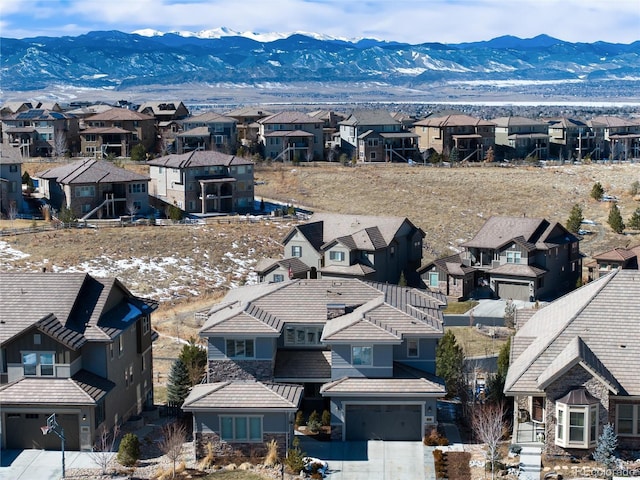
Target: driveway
40, 464
373, 459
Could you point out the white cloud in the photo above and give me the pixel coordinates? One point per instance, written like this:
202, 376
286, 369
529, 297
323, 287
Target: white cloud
413, 21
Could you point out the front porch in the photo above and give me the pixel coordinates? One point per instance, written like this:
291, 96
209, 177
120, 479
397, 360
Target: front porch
529, 433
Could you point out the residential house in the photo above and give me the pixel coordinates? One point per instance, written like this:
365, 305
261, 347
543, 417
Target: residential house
522, 137
330, 125
470, 137
98, 188
574, 368
9, 108
10, 181
291, 136
273, 270
571, 138
373, 248
364, 351
449, 276
76, 346
165, 111
41, 133
376, 136
619, 137
203, 182
116, 131
208, 131
247, 124
603, 263
521, 258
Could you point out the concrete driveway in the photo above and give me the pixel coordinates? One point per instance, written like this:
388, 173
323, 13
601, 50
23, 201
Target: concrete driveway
373, 459
40, 464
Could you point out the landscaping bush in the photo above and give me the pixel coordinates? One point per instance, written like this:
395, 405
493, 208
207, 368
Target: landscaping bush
313, 424
326, 418
299, 419
295, 458
129, 451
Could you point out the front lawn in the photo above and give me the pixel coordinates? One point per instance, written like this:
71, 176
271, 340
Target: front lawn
459, 308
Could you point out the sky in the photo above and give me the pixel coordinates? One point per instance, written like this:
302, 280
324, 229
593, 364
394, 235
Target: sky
410, 21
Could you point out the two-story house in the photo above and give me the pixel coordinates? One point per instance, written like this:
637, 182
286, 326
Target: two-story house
116, 131
98, 188
574, 368
619, 137
10, 180
41, 133
291, 136
572, 138
603, 263
376, 136
520, 258
330, 125
470, 136
364, 351
76, 346
208, 131
372, 248
248, 126
522, 137
165, 111
203, 182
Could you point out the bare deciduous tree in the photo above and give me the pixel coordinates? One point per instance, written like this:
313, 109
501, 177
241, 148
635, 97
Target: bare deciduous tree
12, 212
103, 451
132, 209
59, 144
173, 437
487, 423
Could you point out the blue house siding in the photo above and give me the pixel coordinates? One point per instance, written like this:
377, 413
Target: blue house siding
381, 367
264, 348
426, 355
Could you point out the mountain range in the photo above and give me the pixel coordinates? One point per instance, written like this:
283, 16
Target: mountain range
120, 61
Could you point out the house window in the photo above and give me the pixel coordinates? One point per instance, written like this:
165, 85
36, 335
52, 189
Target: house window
86, 208
241, 429
38, 363
628, 419
13, 168
240, 348
392, 250
296, 251
278, 277
90, 137
361, 355
86, 191
433, 279
372, 155
137, 188
336, 256
579, 422
299, 335
145, 325
99, 412
218, 139
514, 257
412, 348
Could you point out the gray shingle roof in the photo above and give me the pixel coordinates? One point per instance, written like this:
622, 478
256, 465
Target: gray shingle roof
90, 171
520, 270
389, 310
198, 158
9, 154
370, 117
243, 394
288, 118
302, 365
605, 315
297, 266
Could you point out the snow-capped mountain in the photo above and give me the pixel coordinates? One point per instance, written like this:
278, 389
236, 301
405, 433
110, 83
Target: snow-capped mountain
119, 60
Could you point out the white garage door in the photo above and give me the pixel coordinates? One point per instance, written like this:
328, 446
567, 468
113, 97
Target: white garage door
384, 422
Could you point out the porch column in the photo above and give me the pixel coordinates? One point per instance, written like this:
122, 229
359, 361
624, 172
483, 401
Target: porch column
203, 194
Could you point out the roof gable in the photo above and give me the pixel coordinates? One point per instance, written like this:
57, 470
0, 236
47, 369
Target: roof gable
243, 394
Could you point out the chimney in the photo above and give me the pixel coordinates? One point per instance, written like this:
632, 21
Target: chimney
335, 310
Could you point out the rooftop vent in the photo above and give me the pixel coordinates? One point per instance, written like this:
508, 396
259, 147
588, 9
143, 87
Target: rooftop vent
335, 310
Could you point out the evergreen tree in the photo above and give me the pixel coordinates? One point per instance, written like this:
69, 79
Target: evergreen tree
597, 191
178, 384
454, 156
495, 383
195, 360
450, 363
615, 219
402, 281
575, 219
607, 444
138, 153
634, 220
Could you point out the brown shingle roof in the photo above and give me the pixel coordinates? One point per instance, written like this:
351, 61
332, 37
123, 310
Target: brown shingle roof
90, 171
243, 394
198, 158
118, 114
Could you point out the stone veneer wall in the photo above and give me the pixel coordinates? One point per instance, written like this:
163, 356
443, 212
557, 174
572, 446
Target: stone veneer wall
577, 377
247, 449
221, 370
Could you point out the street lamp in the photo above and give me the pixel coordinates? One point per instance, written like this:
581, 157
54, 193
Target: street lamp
52, 426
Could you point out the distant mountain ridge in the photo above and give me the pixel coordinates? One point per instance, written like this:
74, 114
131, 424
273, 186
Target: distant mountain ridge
118, 61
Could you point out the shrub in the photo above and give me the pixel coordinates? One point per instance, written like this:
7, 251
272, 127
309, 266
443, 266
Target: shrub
272, 453
633, 190
295, 458
313, 424
597, 191
326, 418
129, 451
299, 418
209, 459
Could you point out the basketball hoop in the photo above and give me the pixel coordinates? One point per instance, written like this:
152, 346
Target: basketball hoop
45, 429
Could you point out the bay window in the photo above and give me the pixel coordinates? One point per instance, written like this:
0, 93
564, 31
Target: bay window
577, 424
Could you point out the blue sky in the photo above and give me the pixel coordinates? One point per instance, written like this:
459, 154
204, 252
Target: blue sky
412, 21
